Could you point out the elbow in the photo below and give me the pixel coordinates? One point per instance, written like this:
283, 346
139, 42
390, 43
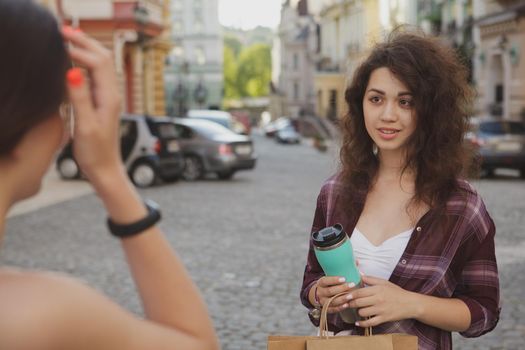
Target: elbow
482, 326
209, 344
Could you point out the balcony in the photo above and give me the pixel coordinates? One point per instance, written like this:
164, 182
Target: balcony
146, 15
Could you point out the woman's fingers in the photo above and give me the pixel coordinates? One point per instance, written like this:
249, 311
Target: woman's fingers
330, 281
98, 60
80, 97
80, 39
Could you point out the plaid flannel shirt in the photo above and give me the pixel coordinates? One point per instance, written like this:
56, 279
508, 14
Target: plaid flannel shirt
458, 263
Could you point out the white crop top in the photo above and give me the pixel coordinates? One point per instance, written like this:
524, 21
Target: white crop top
379, 261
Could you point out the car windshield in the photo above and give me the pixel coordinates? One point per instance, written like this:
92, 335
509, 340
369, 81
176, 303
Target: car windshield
224, 122
211, 129
166, 130
502, 128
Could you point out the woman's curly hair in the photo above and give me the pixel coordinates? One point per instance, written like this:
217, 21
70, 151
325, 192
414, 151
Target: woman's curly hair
442, 97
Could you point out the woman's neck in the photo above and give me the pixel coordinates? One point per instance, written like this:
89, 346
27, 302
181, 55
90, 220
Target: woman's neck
392, 164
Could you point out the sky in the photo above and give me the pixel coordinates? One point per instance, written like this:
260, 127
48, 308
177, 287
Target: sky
248, 14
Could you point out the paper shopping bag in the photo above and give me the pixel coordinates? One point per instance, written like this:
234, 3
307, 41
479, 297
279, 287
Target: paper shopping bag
351, 342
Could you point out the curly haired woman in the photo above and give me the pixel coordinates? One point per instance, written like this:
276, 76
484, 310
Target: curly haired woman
421, 233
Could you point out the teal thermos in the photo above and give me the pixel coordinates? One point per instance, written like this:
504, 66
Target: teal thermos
334, 252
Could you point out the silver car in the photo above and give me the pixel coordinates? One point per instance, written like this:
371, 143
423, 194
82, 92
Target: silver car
208, 147
500, 144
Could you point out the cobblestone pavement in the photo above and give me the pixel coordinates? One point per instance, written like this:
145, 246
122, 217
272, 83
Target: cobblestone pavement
245, 242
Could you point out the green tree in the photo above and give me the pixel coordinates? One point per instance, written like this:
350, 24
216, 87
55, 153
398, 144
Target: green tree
233, 43
231, 89
254, 71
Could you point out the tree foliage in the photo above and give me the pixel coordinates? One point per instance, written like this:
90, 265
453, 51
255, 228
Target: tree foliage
247, 70
254, 70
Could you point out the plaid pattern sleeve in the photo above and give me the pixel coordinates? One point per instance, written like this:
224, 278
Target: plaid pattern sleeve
450, 254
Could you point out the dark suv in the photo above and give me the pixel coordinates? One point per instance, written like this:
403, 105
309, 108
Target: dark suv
500, 144
149, 149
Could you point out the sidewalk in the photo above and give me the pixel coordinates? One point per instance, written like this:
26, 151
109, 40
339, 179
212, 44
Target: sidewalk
54, 190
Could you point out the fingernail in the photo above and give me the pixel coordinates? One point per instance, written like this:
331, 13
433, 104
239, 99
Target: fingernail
67, 29
78, 30
357, 324
349, 297
345, 306
351, 285
75, 77
342, 279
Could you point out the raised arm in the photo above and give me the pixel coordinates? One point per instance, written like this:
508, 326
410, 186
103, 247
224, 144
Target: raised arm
176, 314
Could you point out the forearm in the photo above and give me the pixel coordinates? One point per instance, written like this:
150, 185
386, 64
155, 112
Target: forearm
167, 292
449, 314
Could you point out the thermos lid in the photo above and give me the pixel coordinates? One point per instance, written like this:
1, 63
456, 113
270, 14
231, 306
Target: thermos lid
328, 236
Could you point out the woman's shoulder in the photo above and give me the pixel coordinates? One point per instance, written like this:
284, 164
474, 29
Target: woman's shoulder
468, 204
331, 185
34, 306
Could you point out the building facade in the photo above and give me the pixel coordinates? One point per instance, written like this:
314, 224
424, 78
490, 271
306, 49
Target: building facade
348, 30
135, 32
296, 46
499, 69
194, 76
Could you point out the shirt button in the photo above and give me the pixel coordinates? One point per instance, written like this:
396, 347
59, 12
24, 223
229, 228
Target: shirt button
418, 229
404, 262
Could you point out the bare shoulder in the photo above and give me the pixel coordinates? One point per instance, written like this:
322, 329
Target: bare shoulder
43, 310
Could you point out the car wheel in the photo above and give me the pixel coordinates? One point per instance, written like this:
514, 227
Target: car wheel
144, 175
193, 168
225, 175
68, 168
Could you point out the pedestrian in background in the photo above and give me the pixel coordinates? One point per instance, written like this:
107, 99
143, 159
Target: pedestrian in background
420, 232
40, 310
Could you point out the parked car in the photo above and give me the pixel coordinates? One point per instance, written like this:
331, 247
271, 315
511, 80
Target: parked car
271, 128
212, 148
221, 117
500, 144
149, 149
287, 134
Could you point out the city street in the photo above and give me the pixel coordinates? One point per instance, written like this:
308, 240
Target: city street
245, 242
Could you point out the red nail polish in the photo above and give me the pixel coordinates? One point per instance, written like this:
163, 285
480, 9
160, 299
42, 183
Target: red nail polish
67, 29
75, 77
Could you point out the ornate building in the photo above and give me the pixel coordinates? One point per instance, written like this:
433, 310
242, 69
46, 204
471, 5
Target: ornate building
194, 76
499, 66
135, 32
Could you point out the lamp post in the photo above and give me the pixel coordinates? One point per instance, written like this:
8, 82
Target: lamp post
200, 94
180, 93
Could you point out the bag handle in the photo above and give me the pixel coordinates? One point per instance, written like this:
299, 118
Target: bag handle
323, 323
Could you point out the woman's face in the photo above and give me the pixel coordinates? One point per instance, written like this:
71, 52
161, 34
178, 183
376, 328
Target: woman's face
389, 113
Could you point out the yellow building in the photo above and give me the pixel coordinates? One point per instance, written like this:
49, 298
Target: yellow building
348, 30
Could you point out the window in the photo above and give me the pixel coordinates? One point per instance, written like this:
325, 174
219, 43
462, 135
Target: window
177, 5
200, 57
184, 132
502, 128
177, 27
296, 91
332, 105
295, 61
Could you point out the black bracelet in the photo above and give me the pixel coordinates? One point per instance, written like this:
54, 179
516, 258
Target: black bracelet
128, 230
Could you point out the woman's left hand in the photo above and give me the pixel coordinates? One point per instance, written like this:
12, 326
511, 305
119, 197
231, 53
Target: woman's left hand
382, 301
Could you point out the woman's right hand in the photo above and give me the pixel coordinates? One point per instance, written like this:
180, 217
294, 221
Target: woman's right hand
97, 106
328, 286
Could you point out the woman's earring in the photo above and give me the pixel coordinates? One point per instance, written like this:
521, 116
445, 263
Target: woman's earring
375, 150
